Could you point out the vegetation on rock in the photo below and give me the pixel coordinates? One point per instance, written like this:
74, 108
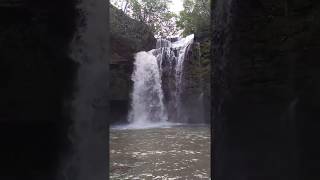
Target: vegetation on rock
195, 18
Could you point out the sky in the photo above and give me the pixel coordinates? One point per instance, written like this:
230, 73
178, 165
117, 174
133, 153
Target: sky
176, 6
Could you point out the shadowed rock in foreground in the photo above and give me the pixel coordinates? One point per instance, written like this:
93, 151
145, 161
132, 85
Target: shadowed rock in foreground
37, 76
266, 89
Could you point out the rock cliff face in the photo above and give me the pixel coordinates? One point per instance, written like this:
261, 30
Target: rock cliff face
184, 89
128, 36
195, 92
266, 89
197, 80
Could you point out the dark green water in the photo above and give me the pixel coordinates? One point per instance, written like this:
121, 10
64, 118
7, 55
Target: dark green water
160, 153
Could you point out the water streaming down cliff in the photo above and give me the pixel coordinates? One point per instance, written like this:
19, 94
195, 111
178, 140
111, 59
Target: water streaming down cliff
158, 80
147, 95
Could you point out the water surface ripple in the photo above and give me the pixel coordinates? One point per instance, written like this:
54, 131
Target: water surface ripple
180, 152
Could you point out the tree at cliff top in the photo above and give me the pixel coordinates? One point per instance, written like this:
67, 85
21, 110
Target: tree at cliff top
195, 18
154, 13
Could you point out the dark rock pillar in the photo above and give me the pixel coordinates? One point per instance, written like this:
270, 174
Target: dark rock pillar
36, 82
265, 95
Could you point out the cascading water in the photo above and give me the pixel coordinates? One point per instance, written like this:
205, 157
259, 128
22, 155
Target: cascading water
183, 47
147, 96
158, 83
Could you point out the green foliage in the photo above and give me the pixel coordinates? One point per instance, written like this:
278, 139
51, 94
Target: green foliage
154, 13
195, 18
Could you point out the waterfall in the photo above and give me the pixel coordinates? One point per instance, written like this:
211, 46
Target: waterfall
158, 82
182, 46
147, 96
